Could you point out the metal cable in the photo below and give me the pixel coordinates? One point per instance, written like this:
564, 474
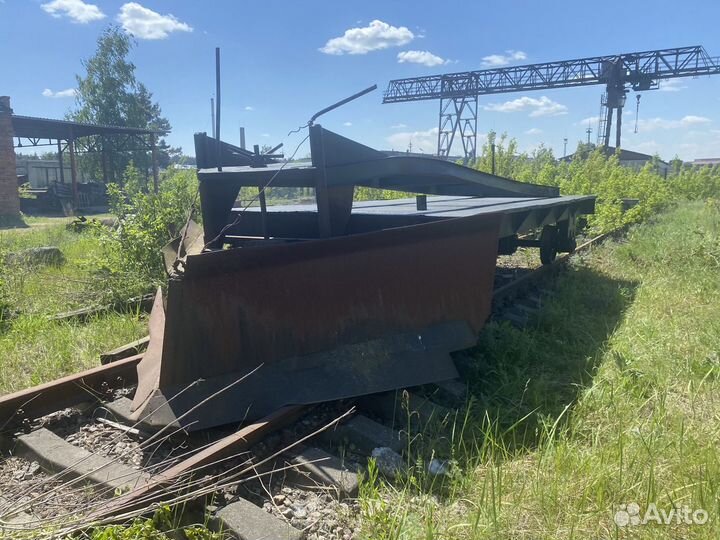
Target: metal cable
260, 192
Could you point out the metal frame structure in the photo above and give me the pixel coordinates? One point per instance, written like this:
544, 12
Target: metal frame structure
76, 138
338, 164
619, 72
371, 296
458, 114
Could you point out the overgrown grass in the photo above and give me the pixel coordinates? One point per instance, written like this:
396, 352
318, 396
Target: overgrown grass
34, 289
610, 398
35, 349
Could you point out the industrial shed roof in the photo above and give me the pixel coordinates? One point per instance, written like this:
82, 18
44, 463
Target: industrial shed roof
47, 128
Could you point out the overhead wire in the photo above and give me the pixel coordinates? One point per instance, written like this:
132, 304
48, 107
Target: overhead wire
259, 193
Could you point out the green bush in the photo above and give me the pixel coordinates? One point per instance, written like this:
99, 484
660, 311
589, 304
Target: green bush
376, 194
146, 221
162, 526
591, 172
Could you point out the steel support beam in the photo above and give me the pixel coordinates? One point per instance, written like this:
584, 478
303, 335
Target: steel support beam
73, 170
613, 100
60, 161
322, 198
458, 115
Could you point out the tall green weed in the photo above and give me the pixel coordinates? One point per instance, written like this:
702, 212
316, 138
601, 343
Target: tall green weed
145, 221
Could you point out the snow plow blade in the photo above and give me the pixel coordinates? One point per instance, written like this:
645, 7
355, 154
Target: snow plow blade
315, 321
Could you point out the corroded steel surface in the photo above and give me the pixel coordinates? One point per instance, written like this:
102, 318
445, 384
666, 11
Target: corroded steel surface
326, 304
345, 309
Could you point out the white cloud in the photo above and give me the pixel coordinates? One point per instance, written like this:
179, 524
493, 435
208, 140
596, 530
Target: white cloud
542, 106
425, 58
76, 10
266, 135
347, 124
692, 120
533, 131
592, 120
377, 35
398, 126
671, 85
498, 60
145, 23
651, 124
422, 141
249, 108
70, 92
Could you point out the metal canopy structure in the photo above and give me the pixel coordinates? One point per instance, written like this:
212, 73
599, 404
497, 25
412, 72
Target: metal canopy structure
458, 92
33, 128
77, 137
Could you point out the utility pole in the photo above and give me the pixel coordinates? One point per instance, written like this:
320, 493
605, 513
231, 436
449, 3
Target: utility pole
588, 131
212, 115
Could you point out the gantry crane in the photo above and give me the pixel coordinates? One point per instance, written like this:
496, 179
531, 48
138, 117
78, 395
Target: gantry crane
458, 92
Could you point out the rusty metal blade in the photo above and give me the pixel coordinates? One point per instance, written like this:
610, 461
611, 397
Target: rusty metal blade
190, 242
148, 369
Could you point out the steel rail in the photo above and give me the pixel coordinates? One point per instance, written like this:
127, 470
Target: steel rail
512, 289
53, 396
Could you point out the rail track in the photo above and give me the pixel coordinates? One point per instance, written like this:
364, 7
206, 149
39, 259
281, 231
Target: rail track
292, 474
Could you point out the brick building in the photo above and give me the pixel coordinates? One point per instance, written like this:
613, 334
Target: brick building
9, 195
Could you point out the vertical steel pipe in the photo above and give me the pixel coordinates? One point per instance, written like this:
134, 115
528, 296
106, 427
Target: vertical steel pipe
217, 107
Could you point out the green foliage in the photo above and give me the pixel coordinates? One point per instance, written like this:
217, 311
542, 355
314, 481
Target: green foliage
35, 349
109, 94
24, 191
4, 288
375, 194
146, 221
593, 173
51, 289
505, 155
608, 397
161, 526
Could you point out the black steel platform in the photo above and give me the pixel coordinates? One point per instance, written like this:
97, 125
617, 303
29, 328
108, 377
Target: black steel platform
519, 214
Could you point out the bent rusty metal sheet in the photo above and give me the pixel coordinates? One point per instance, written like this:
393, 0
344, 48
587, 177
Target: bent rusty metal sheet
288, 308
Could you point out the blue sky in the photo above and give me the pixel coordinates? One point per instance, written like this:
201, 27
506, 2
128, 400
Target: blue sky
282, 61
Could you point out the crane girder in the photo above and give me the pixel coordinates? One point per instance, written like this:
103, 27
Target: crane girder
640, 69
458, 92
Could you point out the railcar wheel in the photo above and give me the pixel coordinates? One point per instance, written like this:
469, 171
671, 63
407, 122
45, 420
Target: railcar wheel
548, 244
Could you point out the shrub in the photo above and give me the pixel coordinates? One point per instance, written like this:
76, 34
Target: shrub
146, 221
594, 173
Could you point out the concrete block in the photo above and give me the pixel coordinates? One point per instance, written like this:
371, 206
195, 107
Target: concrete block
318, 467
54, 454
365, 434
245, 521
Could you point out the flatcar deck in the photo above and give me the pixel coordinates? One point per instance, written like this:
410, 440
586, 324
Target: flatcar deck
520, 214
